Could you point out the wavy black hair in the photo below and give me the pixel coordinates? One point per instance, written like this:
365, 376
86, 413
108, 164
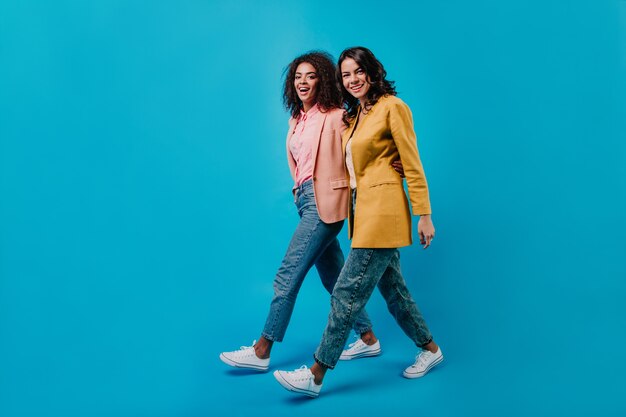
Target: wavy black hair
376, 75
328, 93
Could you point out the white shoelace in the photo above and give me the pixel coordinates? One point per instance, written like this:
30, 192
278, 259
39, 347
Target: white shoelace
242, 349
302, 373
248, 347
422, 358
351, 345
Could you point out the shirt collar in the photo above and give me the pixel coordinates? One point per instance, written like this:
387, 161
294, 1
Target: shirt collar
312, 112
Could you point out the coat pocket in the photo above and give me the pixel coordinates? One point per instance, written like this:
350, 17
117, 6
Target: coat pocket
336, 184
385, 182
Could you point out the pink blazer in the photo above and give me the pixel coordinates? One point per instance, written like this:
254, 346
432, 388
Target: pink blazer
330, 181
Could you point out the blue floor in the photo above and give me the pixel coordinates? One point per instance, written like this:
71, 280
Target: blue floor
144, 340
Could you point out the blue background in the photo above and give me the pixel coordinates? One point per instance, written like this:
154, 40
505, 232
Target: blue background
145, 206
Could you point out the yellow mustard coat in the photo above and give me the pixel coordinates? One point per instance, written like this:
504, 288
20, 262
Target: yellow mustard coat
382, 218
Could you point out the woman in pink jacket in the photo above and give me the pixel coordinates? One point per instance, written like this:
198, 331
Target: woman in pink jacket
321, 194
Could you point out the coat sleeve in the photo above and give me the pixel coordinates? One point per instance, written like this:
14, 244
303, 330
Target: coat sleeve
401, 123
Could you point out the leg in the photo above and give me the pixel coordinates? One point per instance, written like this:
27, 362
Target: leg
310, 238
401, 305
407, 315
355, 285
353, 289
329, 265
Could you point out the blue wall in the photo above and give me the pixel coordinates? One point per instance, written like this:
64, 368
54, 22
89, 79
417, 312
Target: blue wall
145, 205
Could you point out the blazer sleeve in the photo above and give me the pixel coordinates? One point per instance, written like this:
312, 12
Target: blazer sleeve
401, 123
337, 122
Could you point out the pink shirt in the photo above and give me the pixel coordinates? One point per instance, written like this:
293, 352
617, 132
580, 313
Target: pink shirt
302, 141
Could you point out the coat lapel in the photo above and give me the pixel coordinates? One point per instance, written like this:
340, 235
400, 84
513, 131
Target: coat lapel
316, 144
349, 132
290, 160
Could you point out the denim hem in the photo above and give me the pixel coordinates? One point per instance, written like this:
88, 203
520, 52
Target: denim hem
362, 330
271, 338
424, 344
322, 364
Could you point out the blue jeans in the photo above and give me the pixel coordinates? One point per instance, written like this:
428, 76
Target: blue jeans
313, 243
363, 271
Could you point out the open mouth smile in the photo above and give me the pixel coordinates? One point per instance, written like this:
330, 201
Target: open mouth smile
356, 88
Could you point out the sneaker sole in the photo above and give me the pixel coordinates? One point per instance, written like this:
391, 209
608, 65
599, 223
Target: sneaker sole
421, 374
361, 355
242, 365
282, 381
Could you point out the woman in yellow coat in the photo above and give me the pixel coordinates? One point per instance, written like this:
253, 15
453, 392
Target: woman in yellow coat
380, 131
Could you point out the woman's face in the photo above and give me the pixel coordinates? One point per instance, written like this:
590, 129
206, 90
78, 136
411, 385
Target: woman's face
354, 79
305, 82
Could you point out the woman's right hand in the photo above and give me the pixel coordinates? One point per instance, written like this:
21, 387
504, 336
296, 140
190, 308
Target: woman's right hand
425, 230
397, 165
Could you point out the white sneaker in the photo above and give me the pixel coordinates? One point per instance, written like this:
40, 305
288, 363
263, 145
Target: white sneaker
424, 362
360, 349
301, 381
245, 358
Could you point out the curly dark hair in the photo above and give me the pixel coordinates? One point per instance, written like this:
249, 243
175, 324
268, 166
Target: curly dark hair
328, 94
376, 75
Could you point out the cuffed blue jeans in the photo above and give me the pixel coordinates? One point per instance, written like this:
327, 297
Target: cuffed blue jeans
313, 243
363, 271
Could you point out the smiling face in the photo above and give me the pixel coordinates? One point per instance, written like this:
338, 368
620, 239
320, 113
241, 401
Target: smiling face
305, 81
355, 79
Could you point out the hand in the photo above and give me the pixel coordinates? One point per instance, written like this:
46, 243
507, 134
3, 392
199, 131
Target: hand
425, 230
397, 165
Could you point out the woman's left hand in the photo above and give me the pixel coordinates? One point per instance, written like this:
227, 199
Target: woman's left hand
426, 230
